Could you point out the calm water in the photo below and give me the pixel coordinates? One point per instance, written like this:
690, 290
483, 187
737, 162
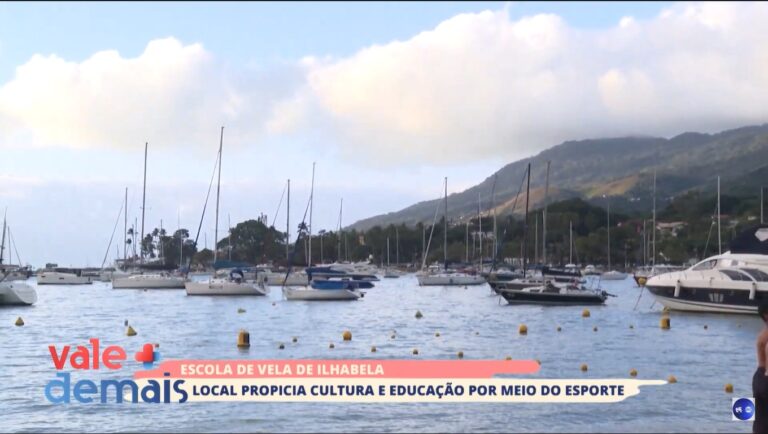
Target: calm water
471, 320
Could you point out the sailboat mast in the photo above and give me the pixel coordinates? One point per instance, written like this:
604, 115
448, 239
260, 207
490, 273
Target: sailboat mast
341, 208
397, 246
445, 228
125, 228
480, 229
653, 236
288, 223
466, 244
525, 225
218, 194
2, 244
143, 204
608, 226
387, 253
719, 239
493, 207
544, 230
229, 238
311, 205
181, 239
570, 250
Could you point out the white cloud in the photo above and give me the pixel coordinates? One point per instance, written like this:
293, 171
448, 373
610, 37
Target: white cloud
482, 85
171, 94
477, 86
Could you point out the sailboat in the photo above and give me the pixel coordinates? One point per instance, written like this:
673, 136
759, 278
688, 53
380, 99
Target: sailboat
149, 280
447, 277
389, 273
13, 292
336, 286
611, 274
547, 292
276, 278
235, 284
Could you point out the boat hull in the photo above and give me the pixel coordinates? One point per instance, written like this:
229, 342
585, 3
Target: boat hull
223, 288
703, 299
321, 294
450, 280
149, 283
62, 279
551, 299
613, 276
17, 294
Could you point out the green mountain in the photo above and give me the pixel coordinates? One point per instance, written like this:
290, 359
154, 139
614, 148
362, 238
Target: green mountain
620, 168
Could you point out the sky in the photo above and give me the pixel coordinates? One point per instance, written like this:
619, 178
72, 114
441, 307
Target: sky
386, 98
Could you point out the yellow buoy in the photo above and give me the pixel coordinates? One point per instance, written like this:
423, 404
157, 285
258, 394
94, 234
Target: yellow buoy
594, 329
295, 339
523, 329
281, 347
373, 349
633, 373
671, 379
130, 331
460, 354
415, 351
347, 335
418, 314
641, 281
331, 346
19, 322
240, 310
585, 313
729, 388
558, 328
243, 339
437, 334
584, 367
664, 323
508, 358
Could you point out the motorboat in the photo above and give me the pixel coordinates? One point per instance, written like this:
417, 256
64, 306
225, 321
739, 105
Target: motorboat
17, 293
63, 276
642, 274
553, 294
339, 270
734, 282
149, 281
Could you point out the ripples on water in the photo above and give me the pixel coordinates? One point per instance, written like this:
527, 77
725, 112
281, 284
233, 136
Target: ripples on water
470, 319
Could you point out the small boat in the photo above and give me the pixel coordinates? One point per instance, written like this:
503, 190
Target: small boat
225, 287
276, 278
552, 294
310, 294
148, 281
613, 275
63, 276
590, 270
17, 293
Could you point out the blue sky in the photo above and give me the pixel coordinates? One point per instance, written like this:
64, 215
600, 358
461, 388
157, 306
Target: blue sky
386, 97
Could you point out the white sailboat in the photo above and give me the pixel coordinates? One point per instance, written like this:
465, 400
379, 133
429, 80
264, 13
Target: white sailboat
611, 274
307, 292
447, 277
235, 284
148, 280
13, 292
63, 276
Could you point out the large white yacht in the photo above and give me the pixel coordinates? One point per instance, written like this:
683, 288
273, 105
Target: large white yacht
734, 282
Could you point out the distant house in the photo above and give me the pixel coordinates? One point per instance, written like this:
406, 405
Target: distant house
670, 227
